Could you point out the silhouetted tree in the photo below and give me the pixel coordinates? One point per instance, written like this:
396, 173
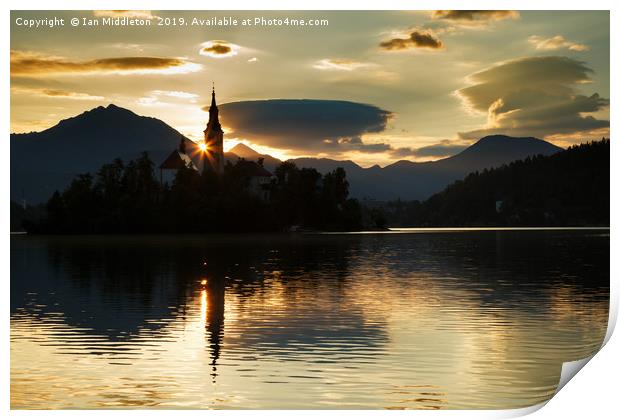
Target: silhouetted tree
128, 198
570, 188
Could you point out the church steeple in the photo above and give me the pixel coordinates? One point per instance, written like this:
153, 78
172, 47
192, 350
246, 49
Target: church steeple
214, 139
214, 120
213, 104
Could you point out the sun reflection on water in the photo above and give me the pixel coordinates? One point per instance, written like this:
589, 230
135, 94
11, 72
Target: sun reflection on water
203, 307
371, 324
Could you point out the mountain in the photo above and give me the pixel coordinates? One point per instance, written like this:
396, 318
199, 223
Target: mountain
324, 165
243, 151
492, 151
45, 161
419, 180
570, 188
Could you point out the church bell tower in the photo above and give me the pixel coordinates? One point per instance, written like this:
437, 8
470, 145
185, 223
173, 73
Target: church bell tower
213, 158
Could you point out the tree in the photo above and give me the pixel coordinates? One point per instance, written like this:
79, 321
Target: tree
127, 198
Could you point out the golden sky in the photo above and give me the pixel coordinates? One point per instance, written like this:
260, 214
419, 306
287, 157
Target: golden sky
373, 87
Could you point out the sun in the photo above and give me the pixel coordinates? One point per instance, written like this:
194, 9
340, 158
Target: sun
203, 147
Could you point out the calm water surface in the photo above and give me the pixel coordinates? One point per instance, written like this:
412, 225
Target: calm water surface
412, 320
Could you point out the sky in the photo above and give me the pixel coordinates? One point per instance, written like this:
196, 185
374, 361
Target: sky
372, 87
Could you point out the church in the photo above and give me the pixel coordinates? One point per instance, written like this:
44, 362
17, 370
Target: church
213, 146
203, 156
208, 155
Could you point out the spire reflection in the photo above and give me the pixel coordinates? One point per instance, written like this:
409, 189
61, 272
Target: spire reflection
212, 314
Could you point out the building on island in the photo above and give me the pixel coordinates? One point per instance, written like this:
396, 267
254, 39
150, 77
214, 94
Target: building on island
179, 158
208, 155
259, 178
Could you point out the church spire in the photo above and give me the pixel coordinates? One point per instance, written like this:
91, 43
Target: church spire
214, 120
213, 104
213, 156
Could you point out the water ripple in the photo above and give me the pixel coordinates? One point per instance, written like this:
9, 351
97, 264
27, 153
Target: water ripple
414, 320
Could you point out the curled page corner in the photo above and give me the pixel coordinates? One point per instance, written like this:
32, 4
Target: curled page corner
570, 369
520, 412
613, 315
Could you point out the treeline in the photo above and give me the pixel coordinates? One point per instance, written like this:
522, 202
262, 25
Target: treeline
21, 212
128, 198
569, 188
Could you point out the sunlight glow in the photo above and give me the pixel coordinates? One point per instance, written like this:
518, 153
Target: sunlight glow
281, 154
203, 308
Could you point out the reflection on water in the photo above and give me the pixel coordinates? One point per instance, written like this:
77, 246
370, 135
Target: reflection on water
412, 320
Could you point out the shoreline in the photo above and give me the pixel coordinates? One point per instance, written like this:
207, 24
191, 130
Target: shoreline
394, 230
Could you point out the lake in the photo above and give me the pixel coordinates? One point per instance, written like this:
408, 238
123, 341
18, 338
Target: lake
417, 319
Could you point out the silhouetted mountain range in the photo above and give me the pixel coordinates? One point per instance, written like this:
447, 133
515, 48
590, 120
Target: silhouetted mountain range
419, 180
247, 153
570, 188
42, 162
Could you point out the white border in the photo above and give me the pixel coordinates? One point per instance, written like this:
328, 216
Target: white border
592, 394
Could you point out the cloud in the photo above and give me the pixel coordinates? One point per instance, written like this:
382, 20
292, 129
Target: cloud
474, 17
312, 127
218, 49
555, 43
342, 70
154, 98
442, 149
131, 48
356, 143
567, 140
175, 94
25, 63
306, 125
417, 38
126, 46
56, 93
134, 14
533, 96
340, 64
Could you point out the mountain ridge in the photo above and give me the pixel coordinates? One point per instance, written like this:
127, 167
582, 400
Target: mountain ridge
86, 141
244, 151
